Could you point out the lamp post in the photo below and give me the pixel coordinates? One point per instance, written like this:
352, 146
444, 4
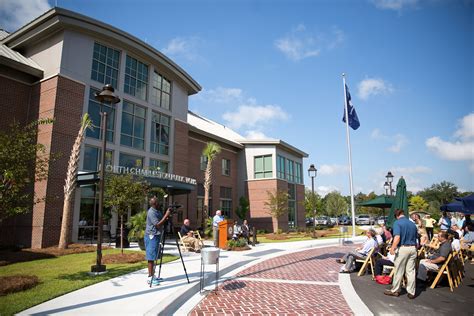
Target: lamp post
312, 171
107, 95
389, 177
386, 187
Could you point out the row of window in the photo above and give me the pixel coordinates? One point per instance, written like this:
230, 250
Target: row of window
225, 165
92, 160
134, 119
287, 169
225, 200
106, 69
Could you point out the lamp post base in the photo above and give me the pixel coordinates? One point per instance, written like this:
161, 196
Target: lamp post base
98, 268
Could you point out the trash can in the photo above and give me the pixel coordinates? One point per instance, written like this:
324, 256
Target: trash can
209, 256
126, 243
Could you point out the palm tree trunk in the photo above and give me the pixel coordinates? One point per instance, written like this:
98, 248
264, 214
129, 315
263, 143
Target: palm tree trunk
207, 187
121, 234
65, 224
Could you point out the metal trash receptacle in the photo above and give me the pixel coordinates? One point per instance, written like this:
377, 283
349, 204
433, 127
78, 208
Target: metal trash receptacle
209, 256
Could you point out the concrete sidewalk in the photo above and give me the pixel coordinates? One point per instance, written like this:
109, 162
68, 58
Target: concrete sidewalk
130, 295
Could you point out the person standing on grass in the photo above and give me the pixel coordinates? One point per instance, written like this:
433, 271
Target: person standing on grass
154, 227
404, 249
429, 222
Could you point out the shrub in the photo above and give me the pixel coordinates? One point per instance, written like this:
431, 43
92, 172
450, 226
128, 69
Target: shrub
279, 231
239, 243
261, 231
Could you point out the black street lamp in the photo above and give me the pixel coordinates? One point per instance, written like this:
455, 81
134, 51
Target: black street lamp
107, 95
386, 187
389, 177
312, 172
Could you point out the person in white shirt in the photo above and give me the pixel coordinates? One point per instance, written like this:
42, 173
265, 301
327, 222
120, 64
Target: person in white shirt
215, 226
360, 253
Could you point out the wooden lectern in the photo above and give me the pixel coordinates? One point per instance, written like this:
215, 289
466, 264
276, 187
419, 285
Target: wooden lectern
226, 229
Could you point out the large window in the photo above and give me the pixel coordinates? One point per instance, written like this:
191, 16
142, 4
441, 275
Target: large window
159, 165
290, 164
161, 90
130, 161
203, 162
92, 158
105, 65
136, 78
226, 201
226, 167
200, 199
160, 133
281, 166
133, 125
94, 110
291, 205
298, 174
263, 167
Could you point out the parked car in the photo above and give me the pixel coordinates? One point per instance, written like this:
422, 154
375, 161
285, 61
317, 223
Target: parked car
324, 220
344, 220
334, 220
364, 220
309, 221
382, 220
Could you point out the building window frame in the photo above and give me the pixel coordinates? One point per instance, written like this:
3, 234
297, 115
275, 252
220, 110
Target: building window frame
124, 155
203, 162
136, 78
281, 167
95, 161
160, 133
94, 110
225, 167
225, 201
133, 136
105, 64
292, 205
159, 165
263, 167
160, 91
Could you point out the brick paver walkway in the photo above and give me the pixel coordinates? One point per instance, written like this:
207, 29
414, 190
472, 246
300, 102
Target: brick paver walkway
301, 283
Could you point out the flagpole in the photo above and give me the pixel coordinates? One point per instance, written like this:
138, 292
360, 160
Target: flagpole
348, 137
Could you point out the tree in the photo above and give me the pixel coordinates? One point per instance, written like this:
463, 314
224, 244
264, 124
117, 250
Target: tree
312, 203
211, 151
417, 203
243, 208
277, 205
336, 204
70, 184
19, 155
122, 192
367, 210
443, 192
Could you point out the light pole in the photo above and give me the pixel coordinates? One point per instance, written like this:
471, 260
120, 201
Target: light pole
389, 177
107, 95
312, 172
386, 187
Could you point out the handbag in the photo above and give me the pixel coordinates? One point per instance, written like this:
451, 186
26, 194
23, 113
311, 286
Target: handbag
383, 279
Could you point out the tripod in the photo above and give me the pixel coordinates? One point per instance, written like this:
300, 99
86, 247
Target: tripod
161, 249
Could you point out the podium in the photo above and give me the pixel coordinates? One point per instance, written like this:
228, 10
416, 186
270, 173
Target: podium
226, 229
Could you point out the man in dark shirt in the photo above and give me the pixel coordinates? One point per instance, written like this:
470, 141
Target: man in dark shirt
188, 238
437, 259
404, 249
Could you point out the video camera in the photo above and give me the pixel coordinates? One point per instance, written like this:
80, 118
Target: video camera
174, 208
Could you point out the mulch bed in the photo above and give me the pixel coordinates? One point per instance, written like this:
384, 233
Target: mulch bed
123, 258
17, 283
239, 248
276, 236
28, 254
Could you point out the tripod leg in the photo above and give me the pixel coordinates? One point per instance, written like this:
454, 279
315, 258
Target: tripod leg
162, 249
182, 261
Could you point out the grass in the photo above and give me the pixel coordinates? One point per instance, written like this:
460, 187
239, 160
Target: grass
335, 233
59, 276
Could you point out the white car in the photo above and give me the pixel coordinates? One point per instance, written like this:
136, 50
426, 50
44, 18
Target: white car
364, 220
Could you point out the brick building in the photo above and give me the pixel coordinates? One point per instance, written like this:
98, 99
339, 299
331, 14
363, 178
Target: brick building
53, 66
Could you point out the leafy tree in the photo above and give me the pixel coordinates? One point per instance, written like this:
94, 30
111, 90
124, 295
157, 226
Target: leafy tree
277, 204
211, 151
19, 155
70, 185
443, 192
243, 208
336, 204
122, 192
312, 203
417, 203
361, 197
434, 210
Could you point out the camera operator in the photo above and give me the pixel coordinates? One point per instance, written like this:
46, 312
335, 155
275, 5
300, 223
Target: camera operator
188, 236
154, 225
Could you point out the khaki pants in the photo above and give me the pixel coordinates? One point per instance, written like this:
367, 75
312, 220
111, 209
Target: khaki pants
424, 267
192, 242
405, 262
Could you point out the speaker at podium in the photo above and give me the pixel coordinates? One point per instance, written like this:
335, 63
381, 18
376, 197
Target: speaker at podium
226, 230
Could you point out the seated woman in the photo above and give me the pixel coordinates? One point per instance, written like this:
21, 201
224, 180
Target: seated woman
360, 253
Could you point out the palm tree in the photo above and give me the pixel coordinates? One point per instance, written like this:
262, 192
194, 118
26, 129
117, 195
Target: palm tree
211, 150
70, 184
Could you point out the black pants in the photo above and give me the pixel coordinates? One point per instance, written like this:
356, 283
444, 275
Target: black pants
429, 231
379, 265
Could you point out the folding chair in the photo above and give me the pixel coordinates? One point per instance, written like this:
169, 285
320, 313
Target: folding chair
444, 270
183, 246
366, 262
198, 236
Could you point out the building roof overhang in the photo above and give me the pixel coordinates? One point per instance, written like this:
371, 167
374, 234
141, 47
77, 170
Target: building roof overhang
276, 142
58, 19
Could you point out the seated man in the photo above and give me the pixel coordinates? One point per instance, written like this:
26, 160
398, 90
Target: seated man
245, 230
385, 261
359, 253
437, 259
237, 231
187, 236
468, 237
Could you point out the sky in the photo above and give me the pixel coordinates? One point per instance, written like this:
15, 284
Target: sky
273, 69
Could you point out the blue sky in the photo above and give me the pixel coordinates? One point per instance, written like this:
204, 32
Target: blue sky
273, 69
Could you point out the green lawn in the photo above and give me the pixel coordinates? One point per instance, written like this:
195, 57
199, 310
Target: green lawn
58, 276
298, 237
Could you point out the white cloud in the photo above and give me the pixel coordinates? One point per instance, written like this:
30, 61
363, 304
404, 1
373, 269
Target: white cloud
373, 86
333, 169
254, 115
256, 135
300, 43
184, 47
411, 170
222, 95
451, 150
395, 5
14, 13
466, 127
324, 190
398, 140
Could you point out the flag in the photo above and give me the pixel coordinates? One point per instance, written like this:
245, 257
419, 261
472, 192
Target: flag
353, 119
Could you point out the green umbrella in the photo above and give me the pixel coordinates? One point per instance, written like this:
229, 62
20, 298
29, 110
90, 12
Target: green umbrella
383, 201
399, 203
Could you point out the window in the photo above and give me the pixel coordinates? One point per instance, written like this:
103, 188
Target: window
226, 201
263, 167
130, 161
226, 167
161, 90
159, 165
105, 65
200, 199
281, 162
133, 125
203, 162
92, 158
291, 205
136, 78
94, 110
298, 175
160, 133
290, 170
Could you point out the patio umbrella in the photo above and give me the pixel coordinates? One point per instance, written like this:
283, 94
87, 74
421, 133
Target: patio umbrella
400, 202
383, 201
454, 206
467, 203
